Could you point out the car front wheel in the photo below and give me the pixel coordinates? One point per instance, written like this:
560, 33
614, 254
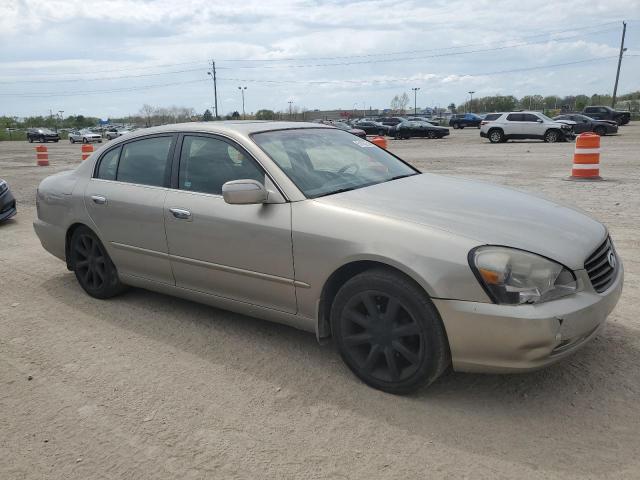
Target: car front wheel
552, 136
388, 332
92, 265
600, 131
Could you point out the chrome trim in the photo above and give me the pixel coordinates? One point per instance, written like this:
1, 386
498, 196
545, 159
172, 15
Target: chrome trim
144, 251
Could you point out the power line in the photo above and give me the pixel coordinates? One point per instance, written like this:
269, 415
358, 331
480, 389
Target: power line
304, 82
405, 52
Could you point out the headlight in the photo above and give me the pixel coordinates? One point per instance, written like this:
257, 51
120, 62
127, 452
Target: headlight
514, 277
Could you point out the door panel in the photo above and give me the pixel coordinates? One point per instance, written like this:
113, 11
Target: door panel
242, 252
131, 224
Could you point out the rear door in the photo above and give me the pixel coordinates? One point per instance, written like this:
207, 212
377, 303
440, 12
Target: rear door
125, 200
240, 252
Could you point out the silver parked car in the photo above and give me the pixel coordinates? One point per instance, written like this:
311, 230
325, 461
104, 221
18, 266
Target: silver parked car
313, 227
116, 132
84, 136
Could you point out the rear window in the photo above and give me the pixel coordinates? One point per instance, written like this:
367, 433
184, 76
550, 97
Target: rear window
492, 116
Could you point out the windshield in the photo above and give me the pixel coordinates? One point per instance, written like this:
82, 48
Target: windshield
325, 161
544, 117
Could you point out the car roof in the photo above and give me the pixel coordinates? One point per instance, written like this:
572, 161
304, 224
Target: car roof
245, 127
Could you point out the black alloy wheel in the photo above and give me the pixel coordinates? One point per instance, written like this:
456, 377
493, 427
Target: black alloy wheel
388, 332
93, 268
431, 134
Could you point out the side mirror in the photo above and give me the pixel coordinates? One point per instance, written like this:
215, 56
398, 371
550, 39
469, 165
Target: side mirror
539, 120
244, 192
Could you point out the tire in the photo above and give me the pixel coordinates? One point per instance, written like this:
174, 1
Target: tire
381, 133
431, 134
496, 136
56, 141
620, 121
84, 140
43, 140
92, 265
71, 140
552, 136
455, 126
399, 354
602, 131
461, 127
30, 139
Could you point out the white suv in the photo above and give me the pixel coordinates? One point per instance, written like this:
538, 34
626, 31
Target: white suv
500, 127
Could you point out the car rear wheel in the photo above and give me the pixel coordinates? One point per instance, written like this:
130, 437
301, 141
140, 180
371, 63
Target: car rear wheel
496, 136
92, 265
600, 131
84, 140
388, 332
552, 136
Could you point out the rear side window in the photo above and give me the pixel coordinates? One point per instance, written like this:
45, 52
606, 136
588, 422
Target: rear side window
109, 164
492, 116
145, 161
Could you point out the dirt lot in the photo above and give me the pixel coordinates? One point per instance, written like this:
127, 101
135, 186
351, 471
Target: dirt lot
146, 386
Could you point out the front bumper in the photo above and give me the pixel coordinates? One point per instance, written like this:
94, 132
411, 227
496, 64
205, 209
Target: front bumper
7, 206
490, 338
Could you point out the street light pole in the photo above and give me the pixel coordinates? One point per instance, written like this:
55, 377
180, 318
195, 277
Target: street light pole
471, 101
242, 89
290, 102
415, 100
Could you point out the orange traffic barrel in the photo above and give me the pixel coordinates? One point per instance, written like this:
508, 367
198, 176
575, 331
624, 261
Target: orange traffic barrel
42, 156
586, 157
379, 141
87, 150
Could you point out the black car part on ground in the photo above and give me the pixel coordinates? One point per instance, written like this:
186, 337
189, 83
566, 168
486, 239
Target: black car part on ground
7, 202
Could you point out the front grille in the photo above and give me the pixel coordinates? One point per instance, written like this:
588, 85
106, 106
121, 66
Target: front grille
602, 266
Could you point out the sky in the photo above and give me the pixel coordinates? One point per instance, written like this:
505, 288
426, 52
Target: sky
108, 58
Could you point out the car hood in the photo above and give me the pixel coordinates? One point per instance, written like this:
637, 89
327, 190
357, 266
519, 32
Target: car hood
487, 213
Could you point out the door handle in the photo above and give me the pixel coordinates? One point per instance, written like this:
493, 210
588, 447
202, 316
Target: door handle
181, 213
99, 199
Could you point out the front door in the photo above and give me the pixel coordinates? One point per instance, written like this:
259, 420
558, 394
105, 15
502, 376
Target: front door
241, 252
125, 200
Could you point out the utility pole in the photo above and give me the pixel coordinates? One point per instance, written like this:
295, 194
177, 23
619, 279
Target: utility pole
242, 90
471, 101
415, 100
622, 50
215, 88
290, 102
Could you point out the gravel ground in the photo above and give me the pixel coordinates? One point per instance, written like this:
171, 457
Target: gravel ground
147, 386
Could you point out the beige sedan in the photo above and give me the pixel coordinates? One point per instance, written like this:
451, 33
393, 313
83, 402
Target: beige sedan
310, 226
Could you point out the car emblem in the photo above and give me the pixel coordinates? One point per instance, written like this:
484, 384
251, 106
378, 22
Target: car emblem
611, 258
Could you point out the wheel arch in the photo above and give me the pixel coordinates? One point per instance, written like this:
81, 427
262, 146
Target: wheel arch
343, 274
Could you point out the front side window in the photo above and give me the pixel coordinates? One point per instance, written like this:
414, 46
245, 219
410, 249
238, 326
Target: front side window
529, 117
145, 161
326, 161
207, 163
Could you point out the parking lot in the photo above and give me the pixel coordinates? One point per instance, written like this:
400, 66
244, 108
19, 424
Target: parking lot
149, 386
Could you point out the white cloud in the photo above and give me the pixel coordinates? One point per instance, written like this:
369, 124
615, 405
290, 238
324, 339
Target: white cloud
90, 38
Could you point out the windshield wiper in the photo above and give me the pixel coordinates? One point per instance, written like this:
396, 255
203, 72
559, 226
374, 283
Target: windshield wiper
341, 190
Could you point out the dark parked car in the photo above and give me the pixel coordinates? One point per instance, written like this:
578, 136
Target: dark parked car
347, 128
7, 202
391, 121
408, 129
607, 113
42, 135
588, 124
372, 128
465, 120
